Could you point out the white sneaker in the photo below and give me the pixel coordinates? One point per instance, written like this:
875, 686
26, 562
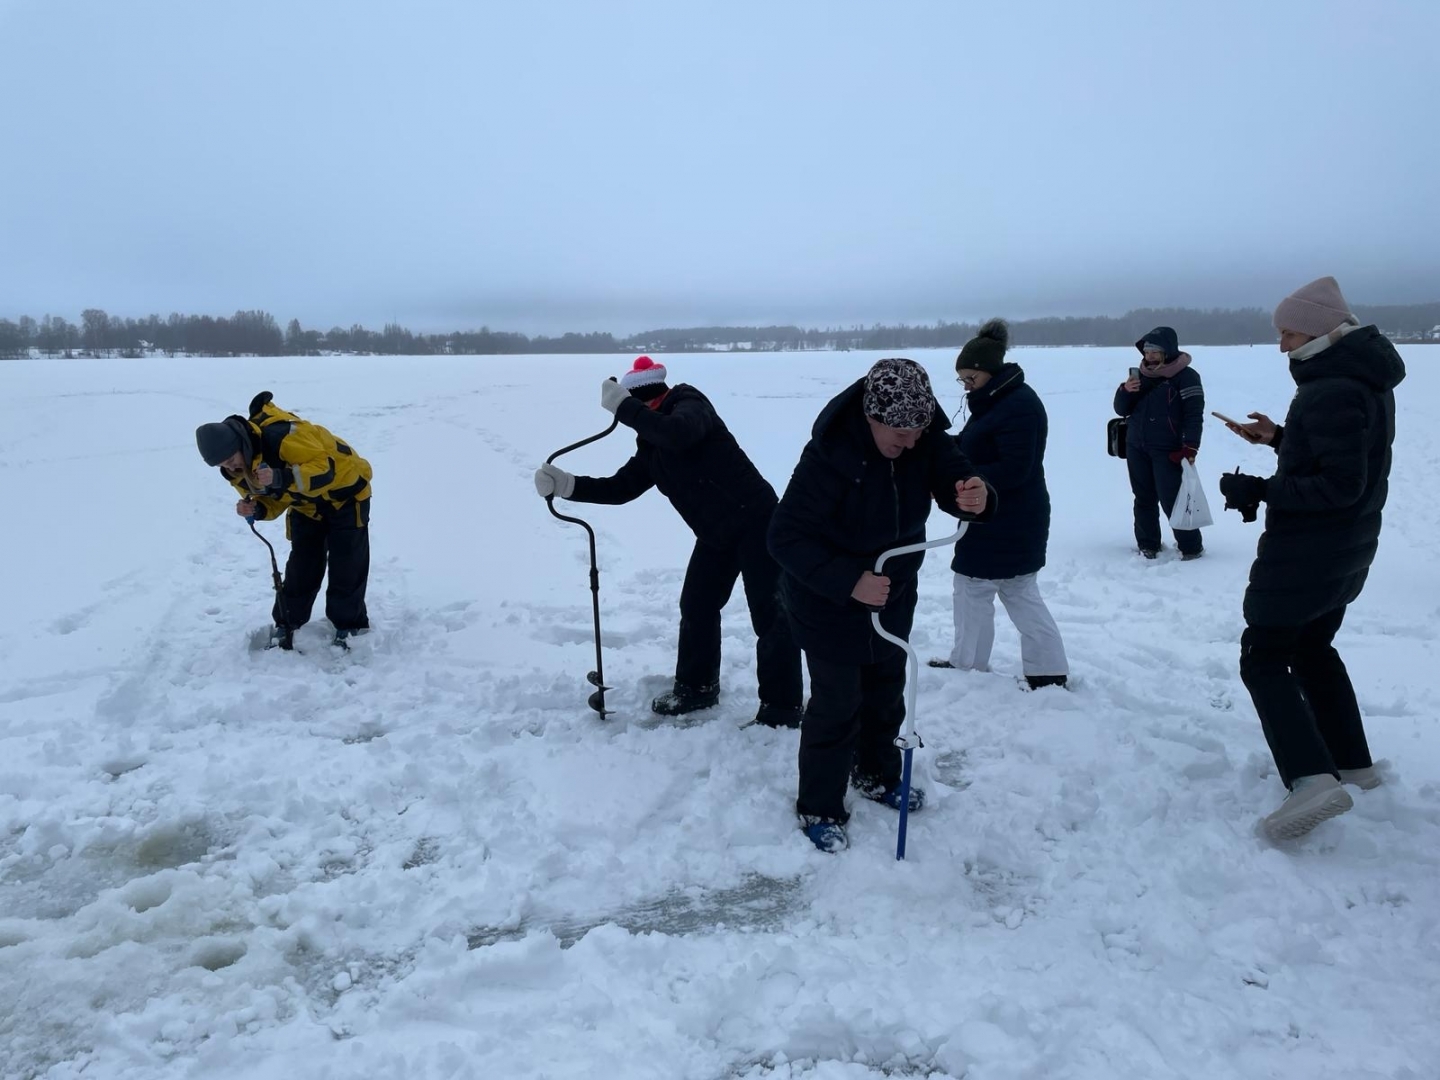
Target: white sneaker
1364, 779
1312, 799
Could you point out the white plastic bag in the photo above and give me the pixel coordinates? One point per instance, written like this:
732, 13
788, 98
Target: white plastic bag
1192, 511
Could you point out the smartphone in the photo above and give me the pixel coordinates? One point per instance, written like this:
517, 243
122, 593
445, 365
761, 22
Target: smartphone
1226, 419
1134, 374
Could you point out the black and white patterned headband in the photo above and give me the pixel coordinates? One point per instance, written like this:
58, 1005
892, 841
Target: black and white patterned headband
898, 394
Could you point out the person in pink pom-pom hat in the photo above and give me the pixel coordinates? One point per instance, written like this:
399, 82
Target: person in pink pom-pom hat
683, 448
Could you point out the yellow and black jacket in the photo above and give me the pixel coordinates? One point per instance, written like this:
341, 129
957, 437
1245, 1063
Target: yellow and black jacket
316, 474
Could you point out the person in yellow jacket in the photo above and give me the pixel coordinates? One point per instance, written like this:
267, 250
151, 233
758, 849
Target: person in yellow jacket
279, 462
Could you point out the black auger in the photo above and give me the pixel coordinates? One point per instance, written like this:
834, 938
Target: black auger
596, 678
285, 639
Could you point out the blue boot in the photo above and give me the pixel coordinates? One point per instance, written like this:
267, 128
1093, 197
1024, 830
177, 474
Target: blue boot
889, 796
826, 834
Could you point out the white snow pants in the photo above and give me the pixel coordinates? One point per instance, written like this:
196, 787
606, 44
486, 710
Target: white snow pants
1041, 650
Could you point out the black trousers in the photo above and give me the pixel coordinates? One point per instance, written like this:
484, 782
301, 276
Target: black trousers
709, 581
1155, 480
342, 539
1303, 694
855, 712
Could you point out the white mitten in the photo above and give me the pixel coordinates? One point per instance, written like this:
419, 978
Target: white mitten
612, 394
553, 480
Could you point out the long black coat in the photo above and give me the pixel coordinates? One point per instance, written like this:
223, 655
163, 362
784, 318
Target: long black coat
845, 504
1004, 438
1322, 517
684, 449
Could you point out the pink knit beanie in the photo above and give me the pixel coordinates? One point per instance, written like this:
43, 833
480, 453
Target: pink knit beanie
1314, 310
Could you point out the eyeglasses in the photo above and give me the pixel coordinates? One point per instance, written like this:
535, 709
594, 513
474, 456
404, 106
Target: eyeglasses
966, 380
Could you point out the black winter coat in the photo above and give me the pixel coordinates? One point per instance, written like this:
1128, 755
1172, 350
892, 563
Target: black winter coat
845, 504
684, 449
1165, 414
1004, 439
1322, 517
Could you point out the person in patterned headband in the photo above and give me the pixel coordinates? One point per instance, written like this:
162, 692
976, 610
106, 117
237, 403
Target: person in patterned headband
878, 459
898, 394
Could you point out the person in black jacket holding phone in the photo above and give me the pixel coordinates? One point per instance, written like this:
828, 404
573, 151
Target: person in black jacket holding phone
877, 460
683, 448
1165, 403
1323, 510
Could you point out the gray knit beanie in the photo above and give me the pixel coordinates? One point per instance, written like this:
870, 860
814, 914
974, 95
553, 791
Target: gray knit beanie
216, 442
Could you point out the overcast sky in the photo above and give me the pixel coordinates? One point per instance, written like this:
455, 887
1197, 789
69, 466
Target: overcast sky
615, 165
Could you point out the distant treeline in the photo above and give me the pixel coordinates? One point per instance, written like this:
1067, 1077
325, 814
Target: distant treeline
1215, 326
256, 333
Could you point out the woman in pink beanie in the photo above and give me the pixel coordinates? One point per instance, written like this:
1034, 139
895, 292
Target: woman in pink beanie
1322, 529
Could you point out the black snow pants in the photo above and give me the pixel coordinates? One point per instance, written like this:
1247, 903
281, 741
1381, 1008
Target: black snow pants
343, 539
855, 712
1155, 480
1303, 695
709, 581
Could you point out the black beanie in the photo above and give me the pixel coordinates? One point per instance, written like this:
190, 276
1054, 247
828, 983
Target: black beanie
986, 350
219, 441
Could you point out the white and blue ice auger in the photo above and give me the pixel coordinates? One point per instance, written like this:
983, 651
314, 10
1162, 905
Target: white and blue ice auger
908, 739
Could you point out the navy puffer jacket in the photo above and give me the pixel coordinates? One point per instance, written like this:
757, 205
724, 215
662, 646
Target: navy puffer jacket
1004, 439
1165, 414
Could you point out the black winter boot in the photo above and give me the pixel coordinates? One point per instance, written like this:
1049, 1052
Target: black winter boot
1035, 682
685, 699
779, 716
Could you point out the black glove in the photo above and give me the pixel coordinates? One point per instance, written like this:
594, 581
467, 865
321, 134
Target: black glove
1243, 493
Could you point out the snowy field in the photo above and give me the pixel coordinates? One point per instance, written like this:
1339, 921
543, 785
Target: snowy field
428, 859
